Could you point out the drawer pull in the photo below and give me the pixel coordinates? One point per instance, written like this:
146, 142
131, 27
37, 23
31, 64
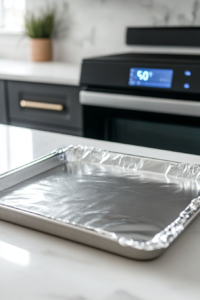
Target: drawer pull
41, 105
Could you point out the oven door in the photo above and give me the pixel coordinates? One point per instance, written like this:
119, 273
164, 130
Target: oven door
168, 124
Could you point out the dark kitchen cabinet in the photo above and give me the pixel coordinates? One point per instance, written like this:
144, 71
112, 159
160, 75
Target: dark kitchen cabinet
3, 107
48, 107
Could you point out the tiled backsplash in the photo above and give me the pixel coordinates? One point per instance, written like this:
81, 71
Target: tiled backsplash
98, 26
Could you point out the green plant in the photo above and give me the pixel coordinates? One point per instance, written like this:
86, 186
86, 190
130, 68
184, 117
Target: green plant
41, 26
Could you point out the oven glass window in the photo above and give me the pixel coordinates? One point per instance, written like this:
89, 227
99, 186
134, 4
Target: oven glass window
156, 135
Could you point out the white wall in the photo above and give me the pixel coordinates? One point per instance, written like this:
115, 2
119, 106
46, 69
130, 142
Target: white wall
98, 26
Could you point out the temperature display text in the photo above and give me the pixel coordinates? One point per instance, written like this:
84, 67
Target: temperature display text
156, 78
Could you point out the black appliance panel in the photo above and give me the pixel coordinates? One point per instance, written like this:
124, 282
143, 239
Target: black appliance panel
101, 74
164, 36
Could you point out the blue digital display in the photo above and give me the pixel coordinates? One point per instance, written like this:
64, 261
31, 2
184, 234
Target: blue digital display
155, 78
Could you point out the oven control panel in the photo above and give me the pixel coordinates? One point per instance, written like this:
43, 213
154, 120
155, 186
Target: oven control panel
178, 78
144, 73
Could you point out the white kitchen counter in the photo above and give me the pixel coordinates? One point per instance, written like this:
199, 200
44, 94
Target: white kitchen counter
61, 269
45, 72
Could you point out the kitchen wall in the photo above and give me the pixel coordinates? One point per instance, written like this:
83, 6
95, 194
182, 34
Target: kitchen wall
97, 27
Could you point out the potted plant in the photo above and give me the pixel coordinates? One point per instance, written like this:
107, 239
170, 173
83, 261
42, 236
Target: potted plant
40, 29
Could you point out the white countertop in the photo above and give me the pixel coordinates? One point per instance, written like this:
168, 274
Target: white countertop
45, 267
45, 72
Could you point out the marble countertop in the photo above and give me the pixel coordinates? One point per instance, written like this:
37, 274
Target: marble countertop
38, 266
44, 72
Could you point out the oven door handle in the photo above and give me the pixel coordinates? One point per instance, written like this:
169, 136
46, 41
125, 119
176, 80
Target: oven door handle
141, 103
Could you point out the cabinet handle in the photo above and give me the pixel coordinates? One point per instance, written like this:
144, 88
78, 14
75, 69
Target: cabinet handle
41, 105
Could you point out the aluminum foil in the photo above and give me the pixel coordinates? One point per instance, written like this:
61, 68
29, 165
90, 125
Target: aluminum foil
140, 202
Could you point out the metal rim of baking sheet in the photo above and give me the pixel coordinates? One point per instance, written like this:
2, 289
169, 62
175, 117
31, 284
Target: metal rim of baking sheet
101, 239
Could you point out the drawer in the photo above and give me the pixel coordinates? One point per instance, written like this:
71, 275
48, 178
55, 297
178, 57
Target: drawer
54, 106
3, 108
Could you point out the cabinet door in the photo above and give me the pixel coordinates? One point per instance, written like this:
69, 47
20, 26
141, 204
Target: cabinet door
3, 110
44, 106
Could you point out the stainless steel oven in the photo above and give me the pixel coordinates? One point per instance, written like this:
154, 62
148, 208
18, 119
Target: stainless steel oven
146, 100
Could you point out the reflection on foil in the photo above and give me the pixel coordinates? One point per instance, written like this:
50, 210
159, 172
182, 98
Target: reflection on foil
140, 202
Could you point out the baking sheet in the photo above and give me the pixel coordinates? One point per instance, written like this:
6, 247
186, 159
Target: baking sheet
137, 202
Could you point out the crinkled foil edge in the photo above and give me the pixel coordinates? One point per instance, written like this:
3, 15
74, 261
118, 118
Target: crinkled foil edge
178, 170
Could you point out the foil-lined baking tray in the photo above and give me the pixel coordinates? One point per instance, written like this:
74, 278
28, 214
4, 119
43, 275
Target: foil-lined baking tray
129, 205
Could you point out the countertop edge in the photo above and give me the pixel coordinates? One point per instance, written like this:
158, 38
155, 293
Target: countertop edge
34, 79
52, 72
